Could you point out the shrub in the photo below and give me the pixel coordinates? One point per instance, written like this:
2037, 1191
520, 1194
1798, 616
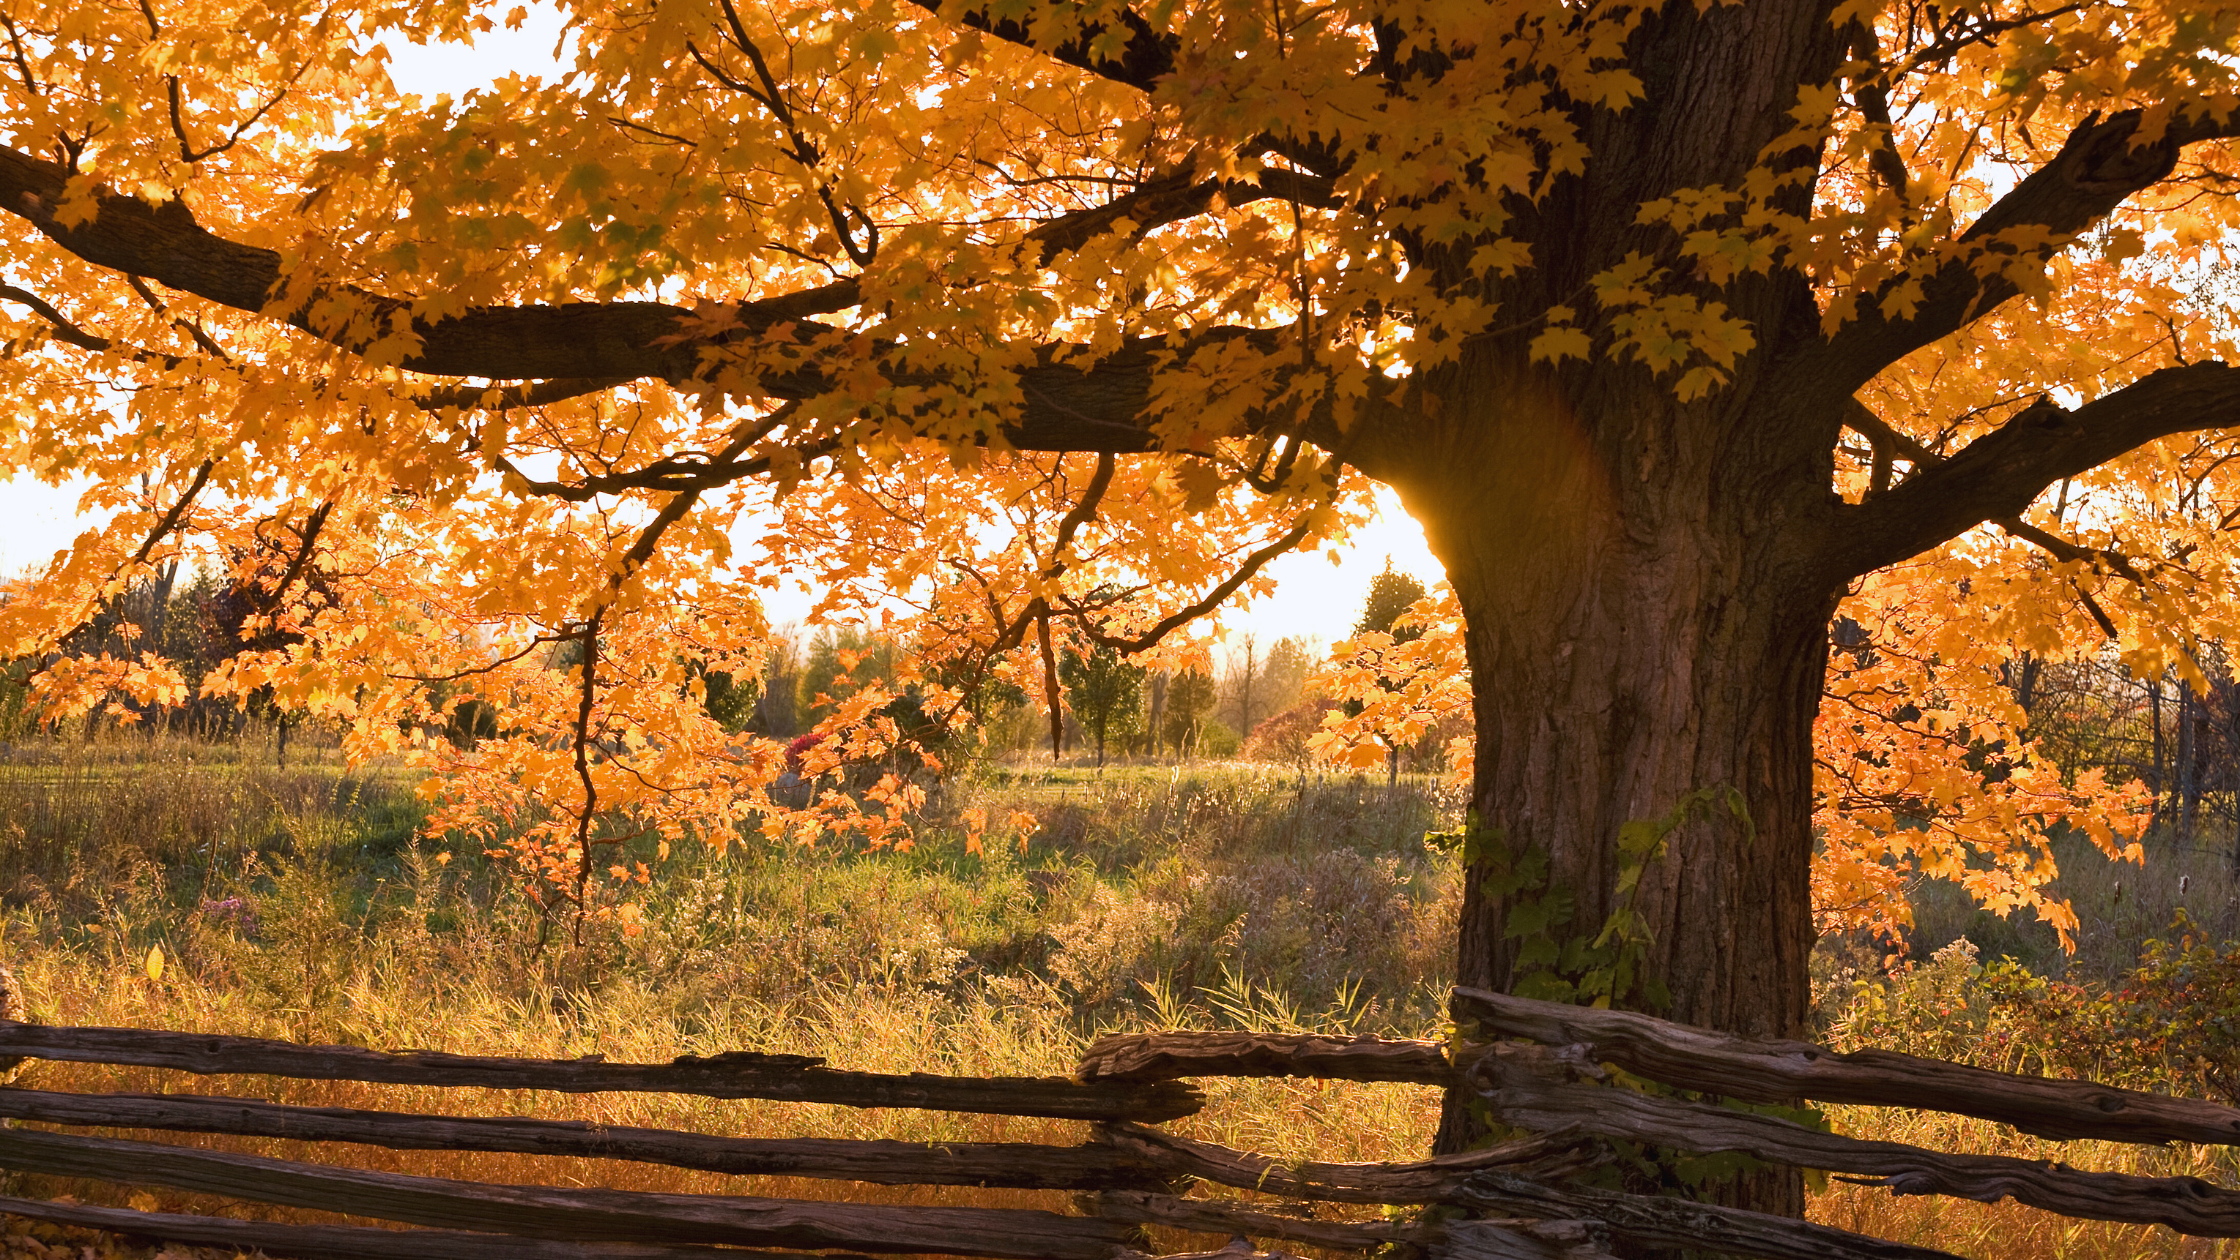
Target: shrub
1284, 737
2183, 1008
2172, 1025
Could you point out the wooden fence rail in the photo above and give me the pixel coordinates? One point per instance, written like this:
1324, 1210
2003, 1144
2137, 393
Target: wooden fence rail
1527, 1200
739, 1074
1021, 1165
1528, 1094
1776, 1071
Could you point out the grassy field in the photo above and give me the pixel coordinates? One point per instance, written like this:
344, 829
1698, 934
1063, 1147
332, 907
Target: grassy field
301, 903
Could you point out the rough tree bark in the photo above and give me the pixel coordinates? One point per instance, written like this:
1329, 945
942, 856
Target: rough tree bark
1641, 625
1647, 609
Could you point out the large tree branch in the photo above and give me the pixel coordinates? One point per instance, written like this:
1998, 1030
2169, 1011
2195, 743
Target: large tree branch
462, 397
2103, 162
1998, 475
580, 347
164, 243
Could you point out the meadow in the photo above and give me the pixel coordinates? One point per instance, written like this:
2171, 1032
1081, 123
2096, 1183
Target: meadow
177, 884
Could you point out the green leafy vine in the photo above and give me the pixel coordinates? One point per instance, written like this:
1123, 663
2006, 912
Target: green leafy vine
1604, 968
1608, 967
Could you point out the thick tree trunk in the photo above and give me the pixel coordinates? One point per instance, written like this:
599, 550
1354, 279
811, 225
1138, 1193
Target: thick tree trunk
1642, 625
1647, 583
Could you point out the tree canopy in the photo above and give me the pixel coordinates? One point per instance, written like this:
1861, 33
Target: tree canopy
1046, 325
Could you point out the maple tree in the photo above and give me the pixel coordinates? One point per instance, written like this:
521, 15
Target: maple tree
1041, 325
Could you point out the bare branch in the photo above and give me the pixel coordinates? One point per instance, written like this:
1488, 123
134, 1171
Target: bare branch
31, 82
1982, 29
772, 97
171, 518
307, 539
542, 640
1252, 564
179, 124
1080, 514
64, 331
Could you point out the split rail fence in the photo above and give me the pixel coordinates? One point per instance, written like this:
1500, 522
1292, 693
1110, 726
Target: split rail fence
1519, 1200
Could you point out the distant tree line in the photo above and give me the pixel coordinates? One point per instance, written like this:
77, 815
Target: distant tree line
1251, 697
198, 626
1113, 705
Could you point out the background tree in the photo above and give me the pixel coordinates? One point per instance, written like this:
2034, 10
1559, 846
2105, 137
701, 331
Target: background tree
841, 661
1283, 675
1104, 689
1190, 699
1288, 735
776, 711
1241, 684
1677, 326
1385, 614
1391, 596
1260, 679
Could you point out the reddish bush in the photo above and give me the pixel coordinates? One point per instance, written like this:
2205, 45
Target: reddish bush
1284, 736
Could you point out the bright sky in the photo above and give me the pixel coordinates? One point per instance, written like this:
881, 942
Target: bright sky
1314, 598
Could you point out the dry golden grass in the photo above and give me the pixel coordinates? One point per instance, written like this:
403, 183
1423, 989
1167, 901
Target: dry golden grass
901, 963
1238, 898
890, 1031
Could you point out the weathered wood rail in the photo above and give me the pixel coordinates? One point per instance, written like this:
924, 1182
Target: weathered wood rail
739, 1074
1775, 1071
1021, 1165
1526, 1200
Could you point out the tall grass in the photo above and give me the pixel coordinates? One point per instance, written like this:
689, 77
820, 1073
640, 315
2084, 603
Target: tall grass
2119, 905
1943, 1007
301, 903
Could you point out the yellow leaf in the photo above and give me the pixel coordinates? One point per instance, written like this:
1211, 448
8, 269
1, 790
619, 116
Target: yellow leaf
1557, 344
155, 963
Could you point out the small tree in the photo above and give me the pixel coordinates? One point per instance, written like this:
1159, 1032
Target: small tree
840, 662
777, 707
1189, 697
1391, 595
1104, 689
